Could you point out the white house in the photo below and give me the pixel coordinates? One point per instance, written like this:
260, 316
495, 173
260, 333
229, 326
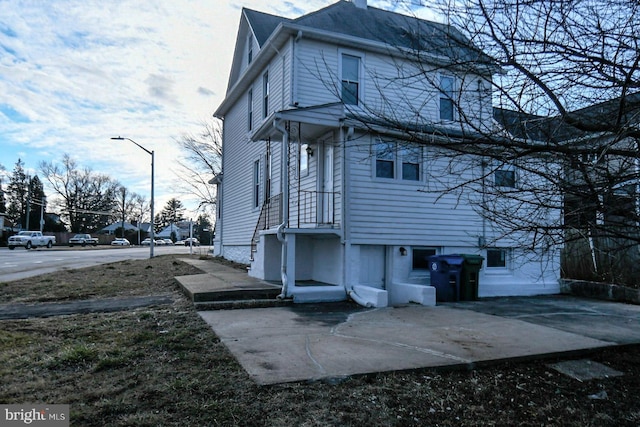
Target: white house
111, 228
179, 231
321, 191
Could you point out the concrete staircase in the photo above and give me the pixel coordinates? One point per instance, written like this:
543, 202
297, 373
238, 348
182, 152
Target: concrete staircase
222, 287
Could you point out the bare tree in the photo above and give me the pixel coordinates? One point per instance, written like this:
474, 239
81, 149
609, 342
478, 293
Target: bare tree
202, 161
86, 198
129, 207
556, 162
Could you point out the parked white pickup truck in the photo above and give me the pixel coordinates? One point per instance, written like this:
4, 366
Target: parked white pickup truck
83, 240
30, 239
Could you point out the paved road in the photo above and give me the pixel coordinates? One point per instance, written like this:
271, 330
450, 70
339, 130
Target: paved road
20, 263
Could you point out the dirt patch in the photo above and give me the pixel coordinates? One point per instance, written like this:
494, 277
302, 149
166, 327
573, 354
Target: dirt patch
164, 366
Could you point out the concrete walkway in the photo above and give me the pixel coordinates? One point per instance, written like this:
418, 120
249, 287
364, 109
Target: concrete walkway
311, 342
302, 342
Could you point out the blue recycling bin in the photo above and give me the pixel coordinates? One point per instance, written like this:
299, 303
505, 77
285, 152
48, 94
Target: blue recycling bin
446, 272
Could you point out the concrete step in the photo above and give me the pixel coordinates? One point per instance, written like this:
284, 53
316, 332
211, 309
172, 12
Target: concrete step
241, 304
235, 295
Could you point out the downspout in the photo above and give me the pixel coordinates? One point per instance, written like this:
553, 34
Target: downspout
285, 208
354, 296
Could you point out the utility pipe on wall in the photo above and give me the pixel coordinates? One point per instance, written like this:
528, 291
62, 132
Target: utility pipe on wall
285, 208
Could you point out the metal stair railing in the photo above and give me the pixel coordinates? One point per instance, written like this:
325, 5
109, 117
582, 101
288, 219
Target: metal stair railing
270, 216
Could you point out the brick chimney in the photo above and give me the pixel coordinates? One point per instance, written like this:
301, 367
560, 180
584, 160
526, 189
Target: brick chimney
361, 4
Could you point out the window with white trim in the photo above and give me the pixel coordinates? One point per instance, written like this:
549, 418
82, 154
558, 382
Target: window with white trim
256, 184
398, 160
265, 94
385, 159
497, 258
447, 87
350, 76
304, 159
250, 109
249, 49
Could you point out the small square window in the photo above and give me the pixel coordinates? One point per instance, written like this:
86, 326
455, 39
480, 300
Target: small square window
497, 258
420, 255
505, 178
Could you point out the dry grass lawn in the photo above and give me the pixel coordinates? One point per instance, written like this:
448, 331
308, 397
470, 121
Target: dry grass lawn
162, 366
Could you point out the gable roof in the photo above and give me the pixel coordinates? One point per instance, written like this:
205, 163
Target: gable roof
262, 24
392, 28
351, 26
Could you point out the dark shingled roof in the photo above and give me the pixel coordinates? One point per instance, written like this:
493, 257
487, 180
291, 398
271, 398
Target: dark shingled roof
610, 116
263, 24
377, 25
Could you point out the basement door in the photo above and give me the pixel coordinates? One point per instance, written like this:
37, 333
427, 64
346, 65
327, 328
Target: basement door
372, 265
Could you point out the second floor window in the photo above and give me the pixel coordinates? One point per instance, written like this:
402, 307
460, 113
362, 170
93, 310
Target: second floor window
350, 79
265, 94
446, 98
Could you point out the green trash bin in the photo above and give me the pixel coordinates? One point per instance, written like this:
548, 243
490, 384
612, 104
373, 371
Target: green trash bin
469, 277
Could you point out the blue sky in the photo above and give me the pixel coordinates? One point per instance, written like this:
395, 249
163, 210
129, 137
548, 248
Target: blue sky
74, 73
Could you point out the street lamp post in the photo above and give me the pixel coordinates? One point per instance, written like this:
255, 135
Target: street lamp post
152, 231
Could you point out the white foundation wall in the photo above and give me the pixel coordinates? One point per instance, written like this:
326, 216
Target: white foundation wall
239, 253
527, 273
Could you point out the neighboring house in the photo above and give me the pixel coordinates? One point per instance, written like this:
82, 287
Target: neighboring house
601, 207
180, 231
111, 228
319, 193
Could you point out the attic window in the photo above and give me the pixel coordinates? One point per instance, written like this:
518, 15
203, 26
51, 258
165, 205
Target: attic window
249, 50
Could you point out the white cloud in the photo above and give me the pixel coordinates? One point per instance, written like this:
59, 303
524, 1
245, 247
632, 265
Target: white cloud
74, 73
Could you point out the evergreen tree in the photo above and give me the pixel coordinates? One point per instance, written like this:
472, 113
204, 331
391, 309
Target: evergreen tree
37, 203
18, 191
3, 200
172, 212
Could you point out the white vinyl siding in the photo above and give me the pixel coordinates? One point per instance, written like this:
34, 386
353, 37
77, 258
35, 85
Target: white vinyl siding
405, 212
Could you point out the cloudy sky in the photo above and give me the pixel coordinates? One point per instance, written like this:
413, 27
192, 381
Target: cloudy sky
74, 73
